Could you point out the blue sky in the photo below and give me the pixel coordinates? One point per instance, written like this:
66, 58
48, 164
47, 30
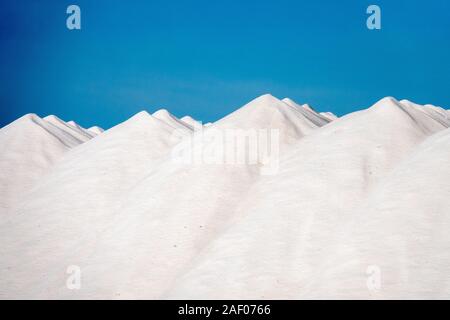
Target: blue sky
206, 58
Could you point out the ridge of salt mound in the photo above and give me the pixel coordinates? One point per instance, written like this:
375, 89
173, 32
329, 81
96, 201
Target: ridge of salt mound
92, 131
171, 120
77, 126
96, 130
329, 115
268, 112
33, 119
436, 113
316, 118
390, 107
191, 121
308, 107
141, 121
73, 130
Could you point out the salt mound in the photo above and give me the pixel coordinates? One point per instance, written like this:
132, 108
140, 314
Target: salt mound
369, 189
267, 112
400, 231
28, 148
289, 221
88, 185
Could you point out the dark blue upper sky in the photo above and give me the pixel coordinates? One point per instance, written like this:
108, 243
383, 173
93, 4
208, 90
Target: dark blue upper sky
206, 58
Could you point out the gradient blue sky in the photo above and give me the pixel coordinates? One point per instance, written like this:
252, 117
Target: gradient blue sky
206, 58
